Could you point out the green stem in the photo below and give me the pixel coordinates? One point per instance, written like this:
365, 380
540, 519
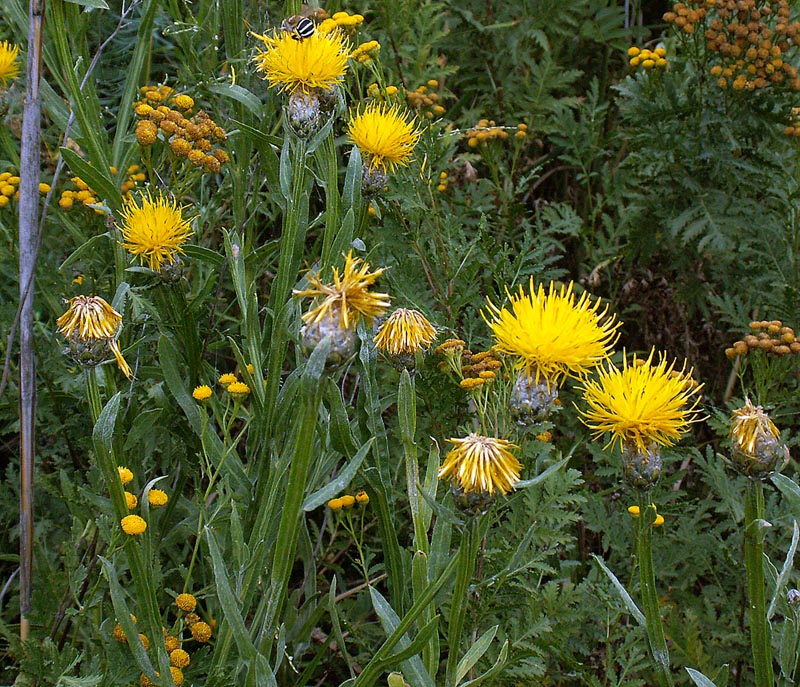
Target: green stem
756, 597
467, 558
407, 413
647, 581
329, 164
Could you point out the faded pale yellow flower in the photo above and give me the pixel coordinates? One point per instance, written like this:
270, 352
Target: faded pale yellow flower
348, 296
642, 404
551, 335
316, 63
405, 332
481, 464
154, 230
385, 135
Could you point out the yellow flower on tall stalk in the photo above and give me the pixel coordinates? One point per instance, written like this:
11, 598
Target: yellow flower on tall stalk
405, 332
385, 136
154, 230
552, 335
315, 63
481, 465
348, 298
645, 403
9, 64
89, 321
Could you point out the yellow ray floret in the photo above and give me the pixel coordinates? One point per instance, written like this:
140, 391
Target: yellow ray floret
348, 297
481, 464
384, 135
316, 63
644, 403
154, 230
405, 332
9, 64
552, 335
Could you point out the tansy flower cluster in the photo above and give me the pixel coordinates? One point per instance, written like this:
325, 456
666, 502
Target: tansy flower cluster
84, 195
487, 130
366, 52
154, 230
647, 59
348, 501
754, 41
9, 188
9, 62
237, 389
443, 182
348, 23
636, 512
190, 137
770, 337
377, 93
425, 100
471, 370
135, 525
793, 127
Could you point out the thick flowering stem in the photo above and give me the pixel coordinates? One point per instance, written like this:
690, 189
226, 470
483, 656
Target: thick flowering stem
407, 413
467, 558
329, 168
756, 599
647, 581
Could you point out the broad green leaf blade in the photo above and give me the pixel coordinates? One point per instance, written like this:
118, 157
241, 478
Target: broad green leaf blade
699, 679
326, 493
626, 598
227, 599
496, 668
475, 652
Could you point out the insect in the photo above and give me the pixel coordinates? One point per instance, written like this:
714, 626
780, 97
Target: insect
298, 26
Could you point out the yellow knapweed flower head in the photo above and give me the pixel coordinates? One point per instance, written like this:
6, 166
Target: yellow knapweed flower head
317, 63
348, 296
133, 525
405, 332
481, 464
552, 335
154, 230
385, 136
90, 319
756, 441
646, 403
9, 64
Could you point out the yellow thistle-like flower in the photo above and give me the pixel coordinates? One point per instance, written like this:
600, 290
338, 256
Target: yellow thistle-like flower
348, 296
155, 230
133, 525
9, 66
125, 475
404, 333
481, 464
384, 135
756, 441
157, 498
552, 335
90, 319
313, 64
642, 404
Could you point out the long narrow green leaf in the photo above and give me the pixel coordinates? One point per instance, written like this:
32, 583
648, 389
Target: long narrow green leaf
786, 570
699, 679
626, 598
475, 652
336, 485
496, 668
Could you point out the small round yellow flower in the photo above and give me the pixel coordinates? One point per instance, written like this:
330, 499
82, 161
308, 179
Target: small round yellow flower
131, 500
154, 230
9, 65
177, 675
179, 658
659, 520
125, 475
186, 602
384, 135
347, 500
201, 393
405, 332
190, 619
635, 511
227, 379
362, 497
201, 632
133, 525
552, 335
144, 640
317, 63
183, 102
239, 390
172, 643
481, 464
157, 498
335, 504
642, 404
119, 634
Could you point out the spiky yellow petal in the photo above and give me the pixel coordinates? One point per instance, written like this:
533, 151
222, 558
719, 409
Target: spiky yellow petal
481, 464
405, 332
385, 136
9, 64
